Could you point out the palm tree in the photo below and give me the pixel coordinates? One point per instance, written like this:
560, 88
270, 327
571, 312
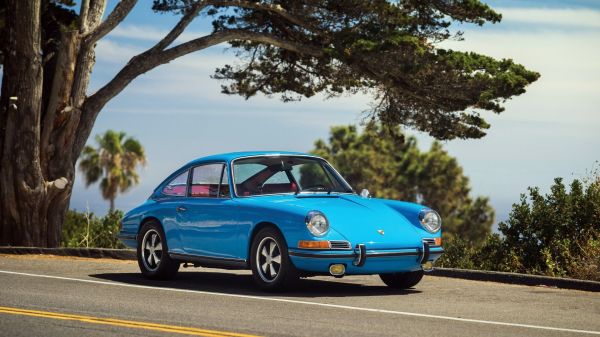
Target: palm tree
115, 161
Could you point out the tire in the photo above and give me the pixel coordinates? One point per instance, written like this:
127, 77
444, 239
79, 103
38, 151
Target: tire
402, 280
155, 263
272, 269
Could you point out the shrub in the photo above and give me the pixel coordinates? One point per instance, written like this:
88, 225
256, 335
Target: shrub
87, 230
458, 253
557, 234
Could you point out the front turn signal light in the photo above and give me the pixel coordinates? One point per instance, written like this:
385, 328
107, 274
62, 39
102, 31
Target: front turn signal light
307, 244
438, 241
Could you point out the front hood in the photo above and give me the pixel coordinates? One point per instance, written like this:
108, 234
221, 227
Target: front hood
368, 221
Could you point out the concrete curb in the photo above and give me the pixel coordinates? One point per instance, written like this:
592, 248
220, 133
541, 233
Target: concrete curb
467, 274
514, 278
120, 254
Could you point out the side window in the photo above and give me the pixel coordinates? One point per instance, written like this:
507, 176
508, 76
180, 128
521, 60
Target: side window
177, 186
205, 180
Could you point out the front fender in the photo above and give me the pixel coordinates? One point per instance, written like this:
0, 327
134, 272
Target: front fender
411, 212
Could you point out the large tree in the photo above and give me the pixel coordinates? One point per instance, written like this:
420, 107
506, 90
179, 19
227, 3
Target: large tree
390, 165
293, 48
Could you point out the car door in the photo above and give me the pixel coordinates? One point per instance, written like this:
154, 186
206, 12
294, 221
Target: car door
172, 195
206, 224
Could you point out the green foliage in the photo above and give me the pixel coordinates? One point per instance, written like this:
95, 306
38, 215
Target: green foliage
386, 48
459, 254
548, 232
87, 230
557, 234
391, 166
113, 162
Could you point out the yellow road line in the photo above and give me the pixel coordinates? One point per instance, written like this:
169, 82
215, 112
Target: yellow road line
123, 323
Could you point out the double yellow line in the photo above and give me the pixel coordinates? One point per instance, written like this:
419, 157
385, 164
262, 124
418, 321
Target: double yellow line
122, 323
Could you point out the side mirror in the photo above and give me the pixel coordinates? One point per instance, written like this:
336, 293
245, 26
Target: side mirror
365, 193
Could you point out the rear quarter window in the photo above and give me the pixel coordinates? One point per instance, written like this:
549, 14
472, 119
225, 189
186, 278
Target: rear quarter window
177, 187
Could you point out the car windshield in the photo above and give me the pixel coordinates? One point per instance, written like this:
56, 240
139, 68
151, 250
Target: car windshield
284, 175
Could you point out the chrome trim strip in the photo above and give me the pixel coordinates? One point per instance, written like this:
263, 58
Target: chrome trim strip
353, 255
210, 261
322, 256
388, 254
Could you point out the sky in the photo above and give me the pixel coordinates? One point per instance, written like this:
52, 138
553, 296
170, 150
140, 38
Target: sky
178, 113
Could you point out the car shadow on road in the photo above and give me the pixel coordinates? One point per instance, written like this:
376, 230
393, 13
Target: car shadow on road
238, 284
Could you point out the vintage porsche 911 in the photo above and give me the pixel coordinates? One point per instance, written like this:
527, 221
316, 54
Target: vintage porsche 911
283, 215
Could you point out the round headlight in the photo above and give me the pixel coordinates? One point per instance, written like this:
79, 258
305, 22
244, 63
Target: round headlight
317, 223
430, 220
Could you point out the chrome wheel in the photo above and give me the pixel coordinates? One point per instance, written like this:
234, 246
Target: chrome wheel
152, 251
268, 259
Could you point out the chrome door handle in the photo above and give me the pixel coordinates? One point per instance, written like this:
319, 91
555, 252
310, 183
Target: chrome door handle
181, 209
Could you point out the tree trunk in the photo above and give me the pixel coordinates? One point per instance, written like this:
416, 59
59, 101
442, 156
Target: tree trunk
37, 164
24, 195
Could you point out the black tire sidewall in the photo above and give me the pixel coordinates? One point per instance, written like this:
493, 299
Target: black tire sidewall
287, 273
402, 280
167, 268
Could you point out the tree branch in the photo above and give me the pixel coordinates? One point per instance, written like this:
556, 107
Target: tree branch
152, 58
238, 34
189, 16
276, 9
119, 13
83, 14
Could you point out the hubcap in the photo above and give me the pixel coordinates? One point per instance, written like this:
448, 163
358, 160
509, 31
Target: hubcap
268, 259
151, 250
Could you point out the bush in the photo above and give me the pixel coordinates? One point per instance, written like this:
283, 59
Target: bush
87, 230
458, 253
557, 234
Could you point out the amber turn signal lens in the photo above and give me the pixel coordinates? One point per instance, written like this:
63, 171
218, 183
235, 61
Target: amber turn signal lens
313, 244
438, 241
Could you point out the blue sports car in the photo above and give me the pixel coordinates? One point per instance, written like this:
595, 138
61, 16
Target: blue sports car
284, 215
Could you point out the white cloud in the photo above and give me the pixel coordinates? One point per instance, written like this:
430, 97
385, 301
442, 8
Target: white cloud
587, 18
570, 72
150, 33
115, 52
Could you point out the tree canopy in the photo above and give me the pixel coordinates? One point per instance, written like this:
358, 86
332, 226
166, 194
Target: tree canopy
389, 49
390, 165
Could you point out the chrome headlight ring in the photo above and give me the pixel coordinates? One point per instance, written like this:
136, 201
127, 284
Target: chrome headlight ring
430, 220
316, 223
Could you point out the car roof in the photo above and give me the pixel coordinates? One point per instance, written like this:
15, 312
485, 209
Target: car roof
228, 157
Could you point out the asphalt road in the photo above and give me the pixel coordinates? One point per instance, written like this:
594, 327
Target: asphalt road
59, 296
